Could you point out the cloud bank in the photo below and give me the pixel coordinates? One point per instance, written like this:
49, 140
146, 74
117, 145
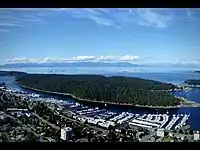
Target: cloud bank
110, 59
126, 58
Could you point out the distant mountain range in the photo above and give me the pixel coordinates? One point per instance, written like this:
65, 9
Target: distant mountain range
74, 64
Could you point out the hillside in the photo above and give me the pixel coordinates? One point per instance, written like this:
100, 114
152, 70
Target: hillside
104, 89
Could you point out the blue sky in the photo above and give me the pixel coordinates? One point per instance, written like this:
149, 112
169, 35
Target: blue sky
100, 34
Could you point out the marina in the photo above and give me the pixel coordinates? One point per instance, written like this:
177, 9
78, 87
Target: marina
105, 119
183, 121
172, 122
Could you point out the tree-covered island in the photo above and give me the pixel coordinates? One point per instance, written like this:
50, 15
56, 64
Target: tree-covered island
116, 89
192, 82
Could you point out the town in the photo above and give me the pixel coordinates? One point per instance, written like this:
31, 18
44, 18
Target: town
30, 117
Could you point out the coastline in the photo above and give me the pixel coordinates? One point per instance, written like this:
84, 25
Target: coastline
187, 102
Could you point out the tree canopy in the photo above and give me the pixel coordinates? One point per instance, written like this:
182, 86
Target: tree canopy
116, 89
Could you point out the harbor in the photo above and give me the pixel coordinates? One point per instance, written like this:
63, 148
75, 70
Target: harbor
105, 119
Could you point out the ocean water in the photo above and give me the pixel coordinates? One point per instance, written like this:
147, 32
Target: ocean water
171, 75
175, 77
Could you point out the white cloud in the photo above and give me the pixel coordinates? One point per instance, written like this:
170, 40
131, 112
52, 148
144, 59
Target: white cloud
153, 18
186, 62
189, 12
127, 58
20, 60
103, 21
93, 11
17, 17
107, 58
93, 14
77, 59
192, 14
121, 16
50, 60
9, 25
113, 17
82, 58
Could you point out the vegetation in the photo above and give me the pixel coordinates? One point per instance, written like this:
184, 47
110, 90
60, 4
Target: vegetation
167, 139
193, 82
42, 110
107, 89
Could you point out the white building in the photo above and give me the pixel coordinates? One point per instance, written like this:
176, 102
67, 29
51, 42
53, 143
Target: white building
196, 136
66, 133
171, 134
117, 130
160, 132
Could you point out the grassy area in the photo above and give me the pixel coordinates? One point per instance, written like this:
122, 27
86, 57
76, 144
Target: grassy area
167, 139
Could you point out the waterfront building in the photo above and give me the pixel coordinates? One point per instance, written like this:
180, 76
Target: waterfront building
160, 132
66, 133
196, 136
118, 130
171, 134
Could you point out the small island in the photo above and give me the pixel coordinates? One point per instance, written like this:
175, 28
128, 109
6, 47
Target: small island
100, 89
193, 82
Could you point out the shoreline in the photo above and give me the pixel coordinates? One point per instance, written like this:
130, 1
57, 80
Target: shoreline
191, 103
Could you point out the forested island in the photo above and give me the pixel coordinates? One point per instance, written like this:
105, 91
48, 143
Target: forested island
192, 82
98, 88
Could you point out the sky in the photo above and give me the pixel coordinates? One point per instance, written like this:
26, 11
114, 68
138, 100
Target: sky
135, 35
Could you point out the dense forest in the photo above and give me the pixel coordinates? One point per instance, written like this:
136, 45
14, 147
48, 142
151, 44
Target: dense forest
192, 82
108, 89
